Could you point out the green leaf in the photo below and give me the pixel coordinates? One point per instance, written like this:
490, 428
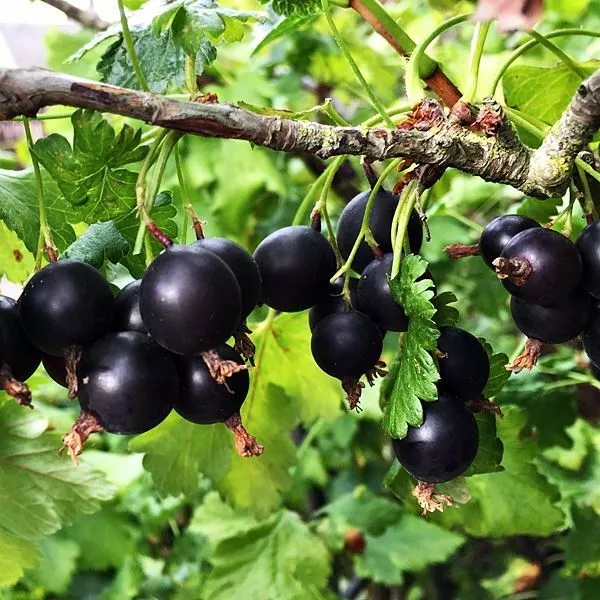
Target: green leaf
105, 539
543, 92
161, 61
192, 23
163, 214
414, 374
101, 242
445, 315
295, 7
489, 454
540, 210
90, 173
16, 555
20, 213
177, 451
16, 262
42, 490
517, 501
582, 545
57, 565
409, 545
498, 375
286, 388
286, 26
277, 557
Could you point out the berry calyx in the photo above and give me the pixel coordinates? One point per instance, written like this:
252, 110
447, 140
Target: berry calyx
540, 266
190, 300
296, 264
67, 303
380, 224
528, 358
463, 363
444, 446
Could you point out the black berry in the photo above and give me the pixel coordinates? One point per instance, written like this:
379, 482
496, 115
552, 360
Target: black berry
333, 302
444, 446
296, 264
346, 344
67, 303
380, 223
588, 245
190, 300
127, 382
554, 323
244, 268
499, 232
591, 334
201, 399
127, 309
464, 364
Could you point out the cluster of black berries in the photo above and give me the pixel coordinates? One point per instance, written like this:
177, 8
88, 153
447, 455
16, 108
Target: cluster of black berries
554, 283
297, 263
159, 346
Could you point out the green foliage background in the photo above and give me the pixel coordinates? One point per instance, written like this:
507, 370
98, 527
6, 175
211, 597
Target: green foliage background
175, 513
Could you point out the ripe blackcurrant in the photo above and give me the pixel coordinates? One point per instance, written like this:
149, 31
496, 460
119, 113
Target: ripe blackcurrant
588, 245
190, 300
374, 296
499, 232
346, 344
127, 382
591, 334
553, 323
16, 351
67, 303
444, 446
464, 364
56, 369
540, 266
380, 223
296, 264
244, 268
333, 302
127, 309
201, 399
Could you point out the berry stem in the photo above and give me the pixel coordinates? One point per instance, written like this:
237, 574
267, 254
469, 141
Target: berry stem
45, 241
562, 56
245, 443
408, 198
321, 208
477, 44
589, 207
131, 53
13, 387
74, 440
359, 76
461, 250
364, 227
414, 86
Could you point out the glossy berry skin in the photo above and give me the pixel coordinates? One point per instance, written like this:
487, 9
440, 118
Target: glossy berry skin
333, 302
465, 366
127, 309
244, 268
591, 334
56, 369
127, 382
346, 344
16, 351
499, 232
190, 300
444, 446
374, 296
588, 245
201, 399
555, 262
554, 323
296, 264
67, 303
380, 223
